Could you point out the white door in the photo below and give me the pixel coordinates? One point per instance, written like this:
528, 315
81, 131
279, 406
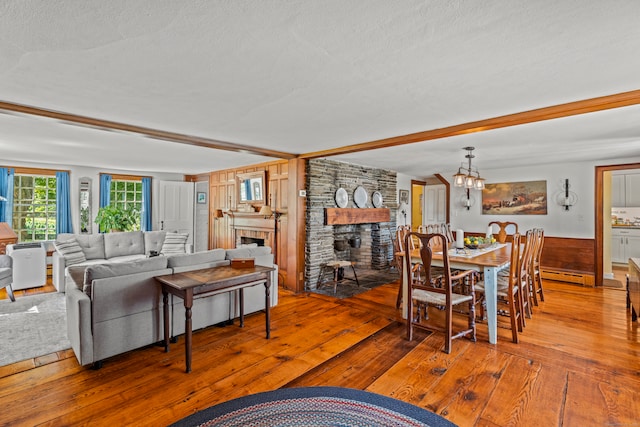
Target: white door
435, 204
176, 207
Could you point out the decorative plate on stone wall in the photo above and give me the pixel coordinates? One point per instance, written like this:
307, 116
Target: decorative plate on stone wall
360, 196
342, 198
376, 199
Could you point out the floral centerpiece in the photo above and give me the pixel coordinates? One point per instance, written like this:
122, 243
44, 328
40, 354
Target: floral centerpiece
474, 242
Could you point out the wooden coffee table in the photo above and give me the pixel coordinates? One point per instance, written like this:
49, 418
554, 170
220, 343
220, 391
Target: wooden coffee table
208, 282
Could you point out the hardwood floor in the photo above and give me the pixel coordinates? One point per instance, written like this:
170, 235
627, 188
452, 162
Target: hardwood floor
578, 364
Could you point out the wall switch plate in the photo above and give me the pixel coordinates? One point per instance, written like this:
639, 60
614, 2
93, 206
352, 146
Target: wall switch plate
303, 193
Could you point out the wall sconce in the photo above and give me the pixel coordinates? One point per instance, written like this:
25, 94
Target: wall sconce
403, 210
566, 198
218, 214
467, 200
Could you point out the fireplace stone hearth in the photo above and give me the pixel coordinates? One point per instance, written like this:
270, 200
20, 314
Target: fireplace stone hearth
375, 251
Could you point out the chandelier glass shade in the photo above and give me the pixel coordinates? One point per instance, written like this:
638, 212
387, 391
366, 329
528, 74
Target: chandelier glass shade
468, 176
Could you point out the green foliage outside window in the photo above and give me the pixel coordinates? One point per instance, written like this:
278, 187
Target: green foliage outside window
34, 207
127, 195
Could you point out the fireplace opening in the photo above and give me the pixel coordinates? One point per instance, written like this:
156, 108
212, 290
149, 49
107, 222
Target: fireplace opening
251, 240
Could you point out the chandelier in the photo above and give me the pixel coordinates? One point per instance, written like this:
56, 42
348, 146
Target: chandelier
468, 177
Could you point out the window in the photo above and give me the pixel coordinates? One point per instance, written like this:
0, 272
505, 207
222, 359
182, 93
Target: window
125, 192
34, 207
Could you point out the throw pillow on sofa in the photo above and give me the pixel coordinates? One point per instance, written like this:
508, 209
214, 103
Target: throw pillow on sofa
174, 243
71, 251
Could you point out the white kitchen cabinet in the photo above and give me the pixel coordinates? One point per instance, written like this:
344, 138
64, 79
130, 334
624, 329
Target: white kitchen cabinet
625, 190
632, 189
618, 197
625, 244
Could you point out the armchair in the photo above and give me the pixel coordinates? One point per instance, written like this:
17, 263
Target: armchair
6, 275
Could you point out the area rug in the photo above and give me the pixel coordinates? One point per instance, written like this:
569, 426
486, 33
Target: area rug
32, 326
368, 279
314, 406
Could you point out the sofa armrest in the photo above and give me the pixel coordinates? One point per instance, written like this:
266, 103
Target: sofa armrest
79, 328
58, 266
6, 261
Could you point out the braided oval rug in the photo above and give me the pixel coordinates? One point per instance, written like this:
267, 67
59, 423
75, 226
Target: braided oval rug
314, 406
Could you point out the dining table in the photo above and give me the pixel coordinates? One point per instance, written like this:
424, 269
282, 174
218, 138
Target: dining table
489, 260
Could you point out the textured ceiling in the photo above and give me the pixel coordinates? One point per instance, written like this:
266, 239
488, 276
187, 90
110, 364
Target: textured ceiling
305, 76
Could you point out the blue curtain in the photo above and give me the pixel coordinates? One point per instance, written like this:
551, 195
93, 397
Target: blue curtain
145, 220
105, 190
63, 201
4, 191
8, 209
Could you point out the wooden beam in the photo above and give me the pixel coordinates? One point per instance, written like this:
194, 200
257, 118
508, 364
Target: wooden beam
608, 102
107, 125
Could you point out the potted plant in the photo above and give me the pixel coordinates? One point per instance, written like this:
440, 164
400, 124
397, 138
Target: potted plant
117, 218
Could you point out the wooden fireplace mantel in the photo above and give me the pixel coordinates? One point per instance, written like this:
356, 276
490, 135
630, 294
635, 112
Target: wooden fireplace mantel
344, 216
251, 221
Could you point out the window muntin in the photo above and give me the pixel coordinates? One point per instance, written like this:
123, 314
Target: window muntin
125, 193
34, 207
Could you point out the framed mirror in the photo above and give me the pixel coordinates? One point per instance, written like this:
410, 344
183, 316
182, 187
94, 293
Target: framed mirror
85, 205
251, 187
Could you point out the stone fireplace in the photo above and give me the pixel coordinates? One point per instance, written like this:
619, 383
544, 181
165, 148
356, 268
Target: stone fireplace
373, 251
355, 234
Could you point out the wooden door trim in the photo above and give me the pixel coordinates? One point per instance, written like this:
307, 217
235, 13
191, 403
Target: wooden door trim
443, 180
599, 215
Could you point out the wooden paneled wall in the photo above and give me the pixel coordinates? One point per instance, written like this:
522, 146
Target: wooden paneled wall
565, 253
223, 195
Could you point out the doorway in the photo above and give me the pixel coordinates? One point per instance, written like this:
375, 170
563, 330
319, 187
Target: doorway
417, 203
430, 201
603, 213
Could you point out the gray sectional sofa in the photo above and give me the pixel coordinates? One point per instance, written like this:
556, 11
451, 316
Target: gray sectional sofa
103, 248
113, 308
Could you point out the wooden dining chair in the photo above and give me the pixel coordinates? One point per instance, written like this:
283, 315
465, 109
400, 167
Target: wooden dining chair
399, 252
503, 228
398, 259
508, 292
436, 290
535, 273
524, 267
442, 228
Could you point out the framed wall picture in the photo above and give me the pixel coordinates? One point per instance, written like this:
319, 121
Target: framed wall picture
515, 198
403, 196
201, 197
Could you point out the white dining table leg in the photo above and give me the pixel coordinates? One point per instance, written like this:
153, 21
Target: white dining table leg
491, 297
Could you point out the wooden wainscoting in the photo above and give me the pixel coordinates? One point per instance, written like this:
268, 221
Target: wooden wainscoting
569, 260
